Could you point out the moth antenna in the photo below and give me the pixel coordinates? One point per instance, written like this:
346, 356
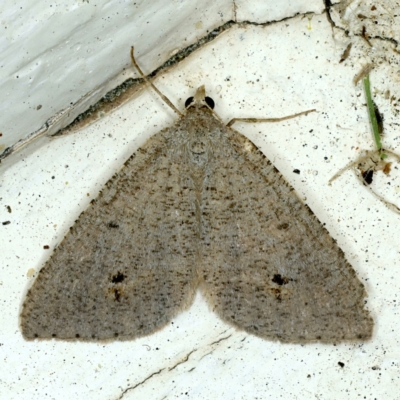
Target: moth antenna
232, 121
165, 98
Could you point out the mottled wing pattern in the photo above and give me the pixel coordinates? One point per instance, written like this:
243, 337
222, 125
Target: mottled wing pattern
197, 204
127, 266
270, 267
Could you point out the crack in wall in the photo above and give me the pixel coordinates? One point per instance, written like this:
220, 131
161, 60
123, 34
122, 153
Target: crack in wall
220, 340
186, 359
126, 86
328, 9
124, 92
328, 5
183, 361
140, 383
235, 7
207, 354
180, 362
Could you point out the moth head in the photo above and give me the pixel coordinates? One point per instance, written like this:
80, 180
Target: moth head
200, 100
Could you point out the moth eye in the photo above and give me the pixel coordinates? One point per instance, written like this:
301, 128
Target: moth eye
210, 102
188, 102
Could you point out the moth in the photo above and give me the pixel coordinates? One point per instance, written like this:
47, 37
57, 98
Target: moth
197, 207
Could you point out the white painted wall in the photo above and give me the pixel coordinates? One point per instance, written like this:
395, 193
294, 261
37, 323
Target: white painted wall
250, 71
